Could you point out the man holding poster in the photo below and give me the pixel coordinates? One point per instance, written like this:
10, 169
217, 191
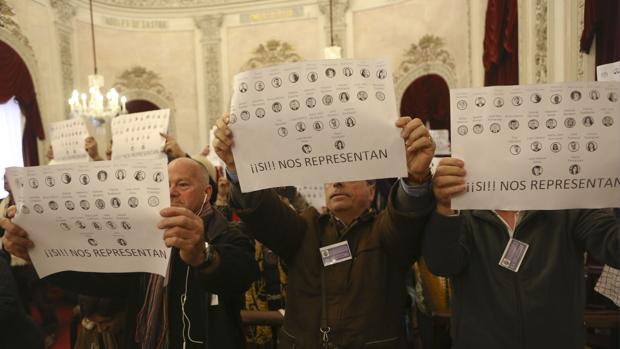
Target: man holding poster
346, 267
517, 276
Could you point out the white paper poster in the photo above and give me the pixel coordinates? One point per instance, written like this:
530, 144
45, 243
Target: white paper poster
97, 216
442, 141
314, 195
67, 139
315, 122
608, 72
552, 146
138, 135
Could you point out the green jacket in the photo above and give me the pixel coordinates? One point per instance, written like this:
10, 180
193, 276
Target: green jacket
541, 305
366, 296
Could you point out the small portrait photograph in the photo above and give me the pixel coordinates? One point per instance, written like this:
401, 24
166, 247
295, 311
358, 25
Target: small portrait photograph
243, 87
276, 107
158, 176
591, 146
84, 205
461, 104
100, 204
382, 73
498, 102
574, 169
25, 209
110, 224
53, 205
551, 123
537, 170
65, 178
139, 175
115, 202
102, 176
34, 183
532, 124
612, 97
495, 127
588, 121
245, 115
313, 76
293, 77
478, 128
69, 205
120, 174
92, 242
573, 146
153, 201
536, 146
65, 226
365, 73
344, 97
362, 95
37, 208
300, 126
556, 99
535, 98
330, 72
84, 179
125, 225
570, 122
133, 202
380, 96
310, 102
594, 95
334, 123
513, 124
327, 99
462, 130
608, 121
121, 241
50, 181
515, 149
349, 121
347, 71
575, 95
282, 131
80, 225
97, 226
306, 148
294, 104
276, 82
317, 125
556, 147
517, 101
259, 86
480, 102
232, 118
260, 113
339, 144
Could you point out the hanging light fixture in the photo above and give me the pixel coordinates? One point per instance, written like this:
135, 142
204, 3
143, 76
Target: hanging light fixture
332, 51
94, 105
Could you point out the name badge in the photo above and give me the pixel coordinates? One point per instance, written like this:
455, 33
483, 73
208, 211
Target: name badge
335, 253
513, 255
215, 300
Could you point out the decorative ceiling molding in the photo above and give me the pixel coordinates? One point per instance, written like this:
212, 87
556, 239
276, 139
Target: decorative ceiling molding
8, 23
271, 53
142, 79
430, 49
65, 11
170, 4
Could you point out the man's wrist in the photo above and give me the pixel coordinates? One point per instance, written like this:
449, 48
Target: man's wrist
420, 178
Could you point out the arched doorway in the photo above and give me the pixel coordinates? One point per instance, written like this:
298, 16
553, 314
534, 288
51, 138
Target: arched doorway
428, 97
140, 105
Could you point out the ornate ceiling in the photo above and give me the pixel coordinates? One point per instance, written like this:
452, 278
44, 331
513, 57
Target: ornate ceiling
172, 4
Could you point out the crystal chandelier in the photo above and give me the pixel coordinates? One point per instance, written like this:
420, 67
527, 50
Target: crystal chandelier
94, 105
332, 51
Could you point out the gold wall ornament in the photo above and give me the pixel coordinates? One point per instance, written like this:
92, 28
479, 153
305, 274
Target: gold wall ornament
9, 24
430, 49
140, 78
271, 53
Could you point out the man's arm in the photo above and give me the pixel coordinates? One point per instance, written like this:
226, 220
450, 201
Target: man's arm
597, 231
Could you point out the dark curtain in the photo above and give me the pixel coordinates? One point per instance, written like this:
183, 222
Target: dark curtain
15, 81
428, 98
501, 44
601, 22
140, 105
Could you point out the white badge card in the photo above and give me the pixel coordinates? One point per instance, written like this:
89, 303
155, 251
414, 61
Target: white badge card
98, 216
67, 139
313, 194
513, 255
315, 122
138, 135
335, 253
538, 147
608, 72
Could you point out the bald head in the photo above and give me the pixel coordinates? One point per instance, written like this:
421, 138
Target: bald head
189, 184
190, 166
